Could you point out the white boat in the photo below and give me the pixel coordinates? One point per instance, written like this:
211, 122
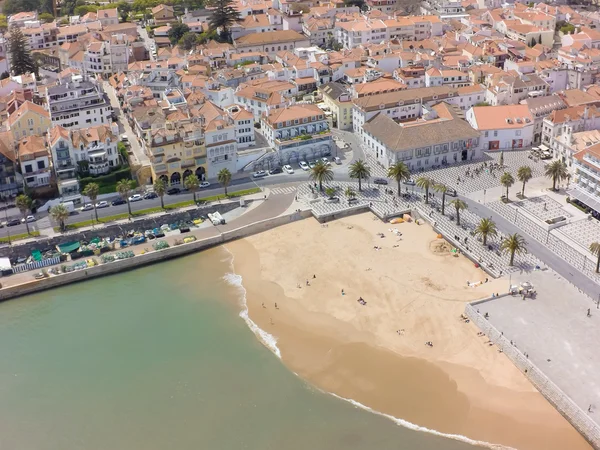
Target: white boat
216, 218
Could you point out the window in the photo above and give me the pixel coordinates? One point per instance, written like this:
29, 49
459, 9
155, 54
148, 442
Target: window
487, 133
41, 165
28, 168
495, 133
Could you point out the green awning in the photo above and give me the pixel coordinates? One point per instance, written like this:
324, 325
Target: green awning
36, 255
68, 247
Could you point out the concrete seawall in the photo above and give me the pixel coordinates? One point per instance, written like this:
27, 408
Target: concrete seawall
148, 258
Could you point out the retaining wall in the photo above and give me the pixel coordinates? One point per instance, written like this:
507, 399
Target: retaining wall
147, 258
573, 413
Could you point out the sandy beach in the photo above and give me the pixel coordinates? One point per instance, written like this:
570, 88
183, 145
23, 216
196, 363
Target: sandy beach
375, 354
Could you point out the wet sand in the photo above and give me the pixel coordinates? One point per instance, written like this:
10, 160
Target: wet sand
459, 386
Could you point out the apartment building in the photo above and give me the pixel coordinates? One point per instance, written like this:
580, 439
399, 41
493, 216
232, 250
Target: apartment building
576, 118
96, 148
298, 132
78, 103
8, 177
271, 42
221, 146
244, 126
586, 164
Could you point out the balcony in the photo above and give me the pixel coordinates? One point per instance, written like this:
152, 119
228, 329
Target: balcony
188, 163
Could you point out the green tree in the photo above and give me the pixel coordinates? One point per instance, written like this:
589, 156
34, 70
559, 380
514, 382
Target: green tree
92, 190
60, 213
459, 205
16, 6
224, 177
20, 57
595, 249
321, 172
507, 181
359, 170
439, 187
350, 192
224, 15
3, 22
177, 31
124, 188
524, 174
192, 183
46, 17
160, 187
556, 171
513, 243
23, 202
485, 228
124, 10
399, 172
188, 41
425, 183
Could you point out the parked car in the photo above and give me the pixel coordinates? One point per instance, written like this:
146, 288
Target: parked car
451, 192
13, 222
135, 198
410, 182
288, 169
312, 164
275, 170
337, 160
173, 191
102, 204
29, 219
204, 184
118, 201
326, 161
259, 174
380, 181
124, 138
87, 207
303, 165
150, 195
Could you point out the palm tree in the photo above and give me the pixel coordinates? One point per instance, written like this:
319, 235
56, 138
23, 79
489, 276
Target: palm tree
485, 228
595, 249
513, 243
440, 187
23, 202
459, 205
360, 170
350, 192
425, 183
92, 190
192, 183
524, 174
124, 189
321, 172
224, 177
507, 181
60, 213
160, 187
399, 172
556, 171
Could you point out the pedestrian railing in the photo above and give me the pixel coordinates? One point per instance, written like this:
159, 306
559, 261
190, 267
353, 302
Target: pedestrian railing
563, 403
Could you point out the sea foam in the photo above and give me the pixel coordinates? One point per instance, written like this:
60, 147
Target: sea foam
412, 426
266, 338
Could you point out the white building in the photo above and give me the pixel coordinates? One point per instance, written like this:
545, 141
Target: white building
63, 157
221, 147
244, 126
78, 103
97, 146
298, 132
35, 161
502, 127
439, 137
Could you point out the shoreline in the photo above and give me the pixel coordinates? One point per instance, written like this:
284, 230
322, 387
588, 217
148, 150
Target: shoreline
347, 355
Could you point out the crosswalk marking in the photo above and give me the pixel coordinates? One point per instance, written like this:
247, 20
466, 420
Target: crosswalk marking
283, 190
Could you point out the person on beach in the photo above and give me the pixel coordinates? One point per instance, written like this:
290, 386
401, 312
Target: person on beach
263, 305
276, 307
314, 276
307, 283
342, 292
271, 319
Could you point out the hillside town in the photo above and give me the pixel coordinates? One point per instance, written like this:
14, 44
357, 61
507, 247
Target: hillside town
430, 85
